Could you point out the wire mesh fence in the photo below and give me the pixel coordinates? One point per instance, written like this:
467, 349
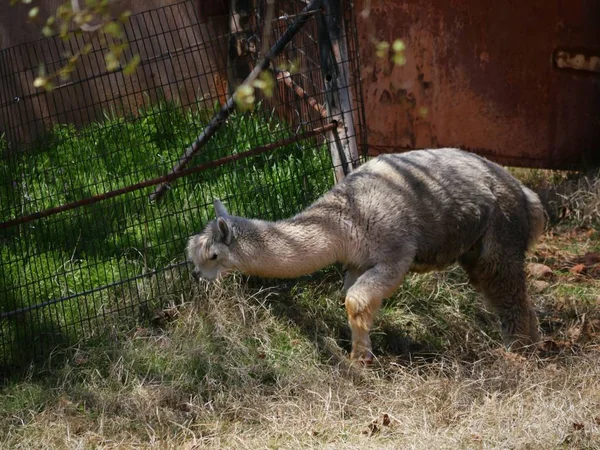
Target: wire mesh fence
85, 248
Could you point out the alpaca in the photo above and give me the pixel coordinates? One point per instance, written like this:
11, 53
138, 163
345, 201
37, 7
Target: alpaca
417, 211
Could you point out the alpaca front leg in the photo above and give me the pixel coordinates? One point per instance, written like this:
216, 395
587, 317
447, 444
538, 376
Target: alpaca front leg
363, 300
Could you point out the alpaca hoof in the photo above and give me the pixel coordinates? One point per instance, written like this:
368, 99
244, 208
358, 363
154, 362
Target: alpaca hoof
522, 344
366, 362
365, 359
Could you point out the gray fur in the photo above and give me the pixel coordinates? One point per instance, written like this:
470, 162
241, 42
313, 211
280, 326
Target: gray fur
416, 211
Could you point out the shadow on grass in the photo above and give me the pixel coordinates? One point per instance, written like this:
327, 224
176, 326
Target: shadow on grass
324, 321
31, 341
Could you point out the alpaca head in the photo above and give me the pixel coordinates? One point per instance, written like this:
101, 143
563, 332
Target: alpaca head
210, 251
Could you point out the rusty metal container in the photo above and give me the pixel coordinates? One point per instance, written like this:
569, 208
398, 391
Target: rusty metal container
516, 81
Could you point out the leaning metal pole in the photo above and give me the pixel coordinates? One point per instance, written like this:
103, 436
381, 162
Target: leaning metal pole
167, 178
220, 116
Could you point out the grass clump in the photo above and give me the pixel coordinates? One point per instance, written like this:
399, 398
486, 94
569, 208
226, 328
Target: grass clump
570, 198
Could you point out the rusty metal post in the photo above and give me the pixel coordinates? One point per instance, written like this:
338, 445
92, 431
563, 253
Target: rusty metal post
243, 44
333, 54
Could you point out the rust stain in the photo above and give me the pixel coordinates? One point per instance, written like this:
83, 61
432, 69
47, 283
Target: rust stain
481, 76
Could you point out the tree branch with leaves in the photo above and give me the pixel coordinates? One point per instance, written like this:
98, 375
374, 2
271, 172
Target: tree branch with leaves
94, 19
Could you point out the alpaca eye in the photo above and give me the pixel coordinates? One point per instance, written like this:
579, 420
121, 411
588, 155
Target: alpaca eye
214, 256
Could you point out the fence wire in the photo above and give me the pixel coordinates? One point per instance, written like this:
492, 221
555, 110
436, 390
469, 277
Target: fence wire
83, 249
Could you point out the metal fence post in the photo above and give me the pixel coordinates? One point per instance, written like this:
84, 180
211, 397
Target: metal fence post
336, 78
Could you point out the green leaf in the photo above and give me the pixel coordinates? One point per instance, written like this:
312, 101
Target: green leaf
399, 59
113, 29
124, 16
398, 45
34, 12
112, 62
40, 82
132, 65
383, 48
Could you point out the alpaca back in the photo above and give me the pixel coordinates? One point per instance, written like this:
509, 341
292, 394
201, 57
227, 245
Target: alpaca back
435, 203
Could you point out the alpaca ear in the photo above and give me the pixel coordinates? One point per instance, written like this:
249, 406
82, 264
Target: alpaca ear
225, 230
220, 210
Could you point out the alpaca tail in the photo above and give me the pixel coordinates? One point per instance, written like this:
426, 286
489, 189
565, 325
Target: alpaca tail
536, 216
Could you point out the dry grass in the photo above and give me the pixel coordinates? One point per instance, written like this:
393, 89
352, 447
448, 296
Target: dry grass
567, 196
249, 364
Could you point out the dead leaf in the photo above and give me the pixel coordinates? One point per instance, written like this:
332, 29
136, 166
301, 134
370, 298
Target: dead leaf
552, 346
372, 429
141, 332
577, 269
161, 317
539, 285
513, 358
586, 333
386, 420
80, 358
539, 271
591, 258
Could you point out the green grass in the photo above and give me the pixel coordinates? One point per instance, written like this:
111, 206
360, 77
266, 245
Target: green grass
93, 246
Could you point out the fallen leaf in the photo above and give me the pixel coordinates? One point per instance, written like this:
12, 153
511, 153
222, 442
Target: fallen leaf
591, 258
80, 358
539, 271
539, 285
372, 429
386, 420
141, 332
594, 271
551, 346
577, 269
513, 358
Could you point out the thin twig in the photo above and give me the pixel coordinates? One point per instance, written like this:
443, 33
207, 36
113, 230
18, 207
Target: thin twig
286, 77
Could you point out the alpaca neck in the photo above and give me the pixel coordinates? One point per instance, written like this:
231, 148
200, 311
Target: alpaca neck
286, 249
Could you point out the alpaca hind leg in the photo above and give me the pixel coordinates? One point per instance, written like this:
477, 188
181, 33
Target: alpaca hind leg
363, 300
503, 285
